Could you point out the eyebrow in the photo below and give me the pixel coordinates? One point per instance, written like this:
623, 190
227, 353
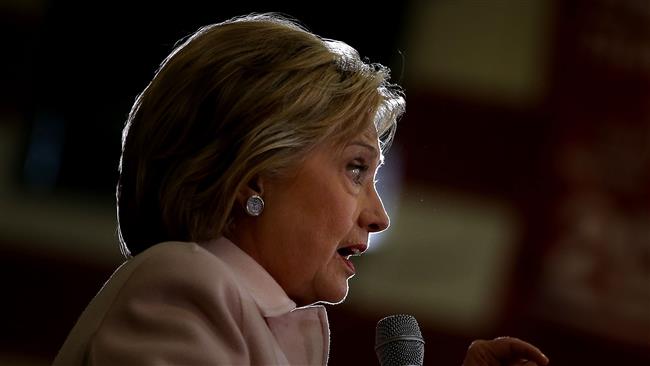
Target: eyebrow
372, 149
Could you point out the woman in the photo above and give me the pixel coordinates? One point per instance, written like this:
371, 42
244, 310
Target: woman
246, 184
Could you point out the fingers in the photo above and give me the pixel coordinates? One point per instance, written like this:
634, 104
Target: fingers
506, 351
523, 363
518, 349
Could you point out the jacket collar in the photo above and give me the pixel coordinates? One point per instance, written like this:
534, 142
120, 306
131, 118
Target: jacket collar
267, 293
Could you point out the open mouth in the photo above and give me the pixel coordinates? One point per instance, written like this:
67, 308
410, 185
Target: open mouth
349, 252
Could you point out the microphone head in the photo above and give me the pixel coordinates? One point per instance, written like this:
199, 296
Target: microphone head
398, 341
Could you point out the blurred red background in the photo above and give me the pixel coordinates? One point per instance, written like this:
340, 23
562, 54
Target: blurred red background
518, 185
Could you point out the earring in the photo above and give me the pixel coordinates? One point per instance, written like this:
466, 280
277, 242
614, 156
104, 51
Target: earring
254, 205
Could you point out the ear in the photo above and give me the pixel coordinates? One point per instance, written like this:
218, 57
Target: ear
255, 186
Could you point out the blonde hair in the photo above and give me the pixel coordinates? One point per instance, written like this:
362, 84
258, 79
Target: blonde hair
244, 97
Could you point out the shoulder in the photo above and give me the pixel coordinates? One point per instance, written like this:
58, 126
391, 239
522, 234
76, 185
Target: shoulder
175, 301
175, 253
177, 269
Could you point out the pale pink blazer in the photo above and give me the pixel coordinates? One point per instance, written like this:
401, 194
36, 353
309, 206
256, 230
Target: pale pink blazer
189, 304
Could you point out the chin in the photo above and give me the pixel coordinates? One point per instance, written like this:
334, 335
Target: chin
336, 297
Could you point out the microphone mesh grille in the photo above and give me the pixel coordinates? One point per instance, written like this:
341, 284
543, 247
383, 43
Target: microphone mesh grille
398, 341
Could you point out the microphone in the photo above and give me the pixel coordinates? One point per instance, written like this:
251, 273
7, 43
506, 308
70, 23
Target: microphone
398, 341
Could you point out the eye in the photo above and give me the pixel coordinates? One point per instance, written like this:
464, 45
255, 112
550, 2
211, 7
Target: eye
357, 171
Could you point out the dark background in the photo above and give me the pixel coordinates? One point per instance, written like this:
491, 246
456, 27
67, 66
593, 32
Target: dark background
572, 163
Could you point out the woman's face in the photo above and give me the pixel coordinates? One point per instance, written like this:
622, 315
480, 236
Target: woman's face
315, 218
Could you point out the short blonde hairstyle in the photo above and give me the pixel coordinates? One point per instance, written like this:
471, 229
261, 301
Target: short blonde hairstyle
234, 100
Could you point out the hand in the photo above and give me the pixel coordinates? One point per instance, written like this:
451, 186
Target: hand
504, 351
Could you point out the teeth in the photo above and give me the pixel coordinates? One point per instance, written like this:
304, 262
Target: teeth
349, 252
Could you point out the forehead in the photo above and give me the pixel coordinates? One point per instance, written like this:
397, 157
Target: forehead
368, 135
368, 139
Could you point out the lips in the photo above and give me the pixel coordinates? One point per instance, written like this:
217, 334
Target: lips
351, 251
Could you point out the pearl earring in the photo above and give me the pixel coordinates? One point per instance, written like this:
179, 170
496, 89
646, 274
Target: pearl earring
254, 205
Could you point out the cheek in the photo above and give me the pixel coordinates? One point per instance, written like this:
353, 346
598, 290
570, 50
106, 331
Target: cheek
336, 209
324, 222
315, 213
341, 214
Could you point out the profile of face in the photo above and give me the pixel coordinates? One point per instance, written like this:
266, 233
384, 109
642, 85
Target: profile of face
315, 217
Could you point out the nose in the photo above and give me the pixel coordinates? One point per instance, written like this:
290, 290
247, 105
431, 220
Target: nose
373, 216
